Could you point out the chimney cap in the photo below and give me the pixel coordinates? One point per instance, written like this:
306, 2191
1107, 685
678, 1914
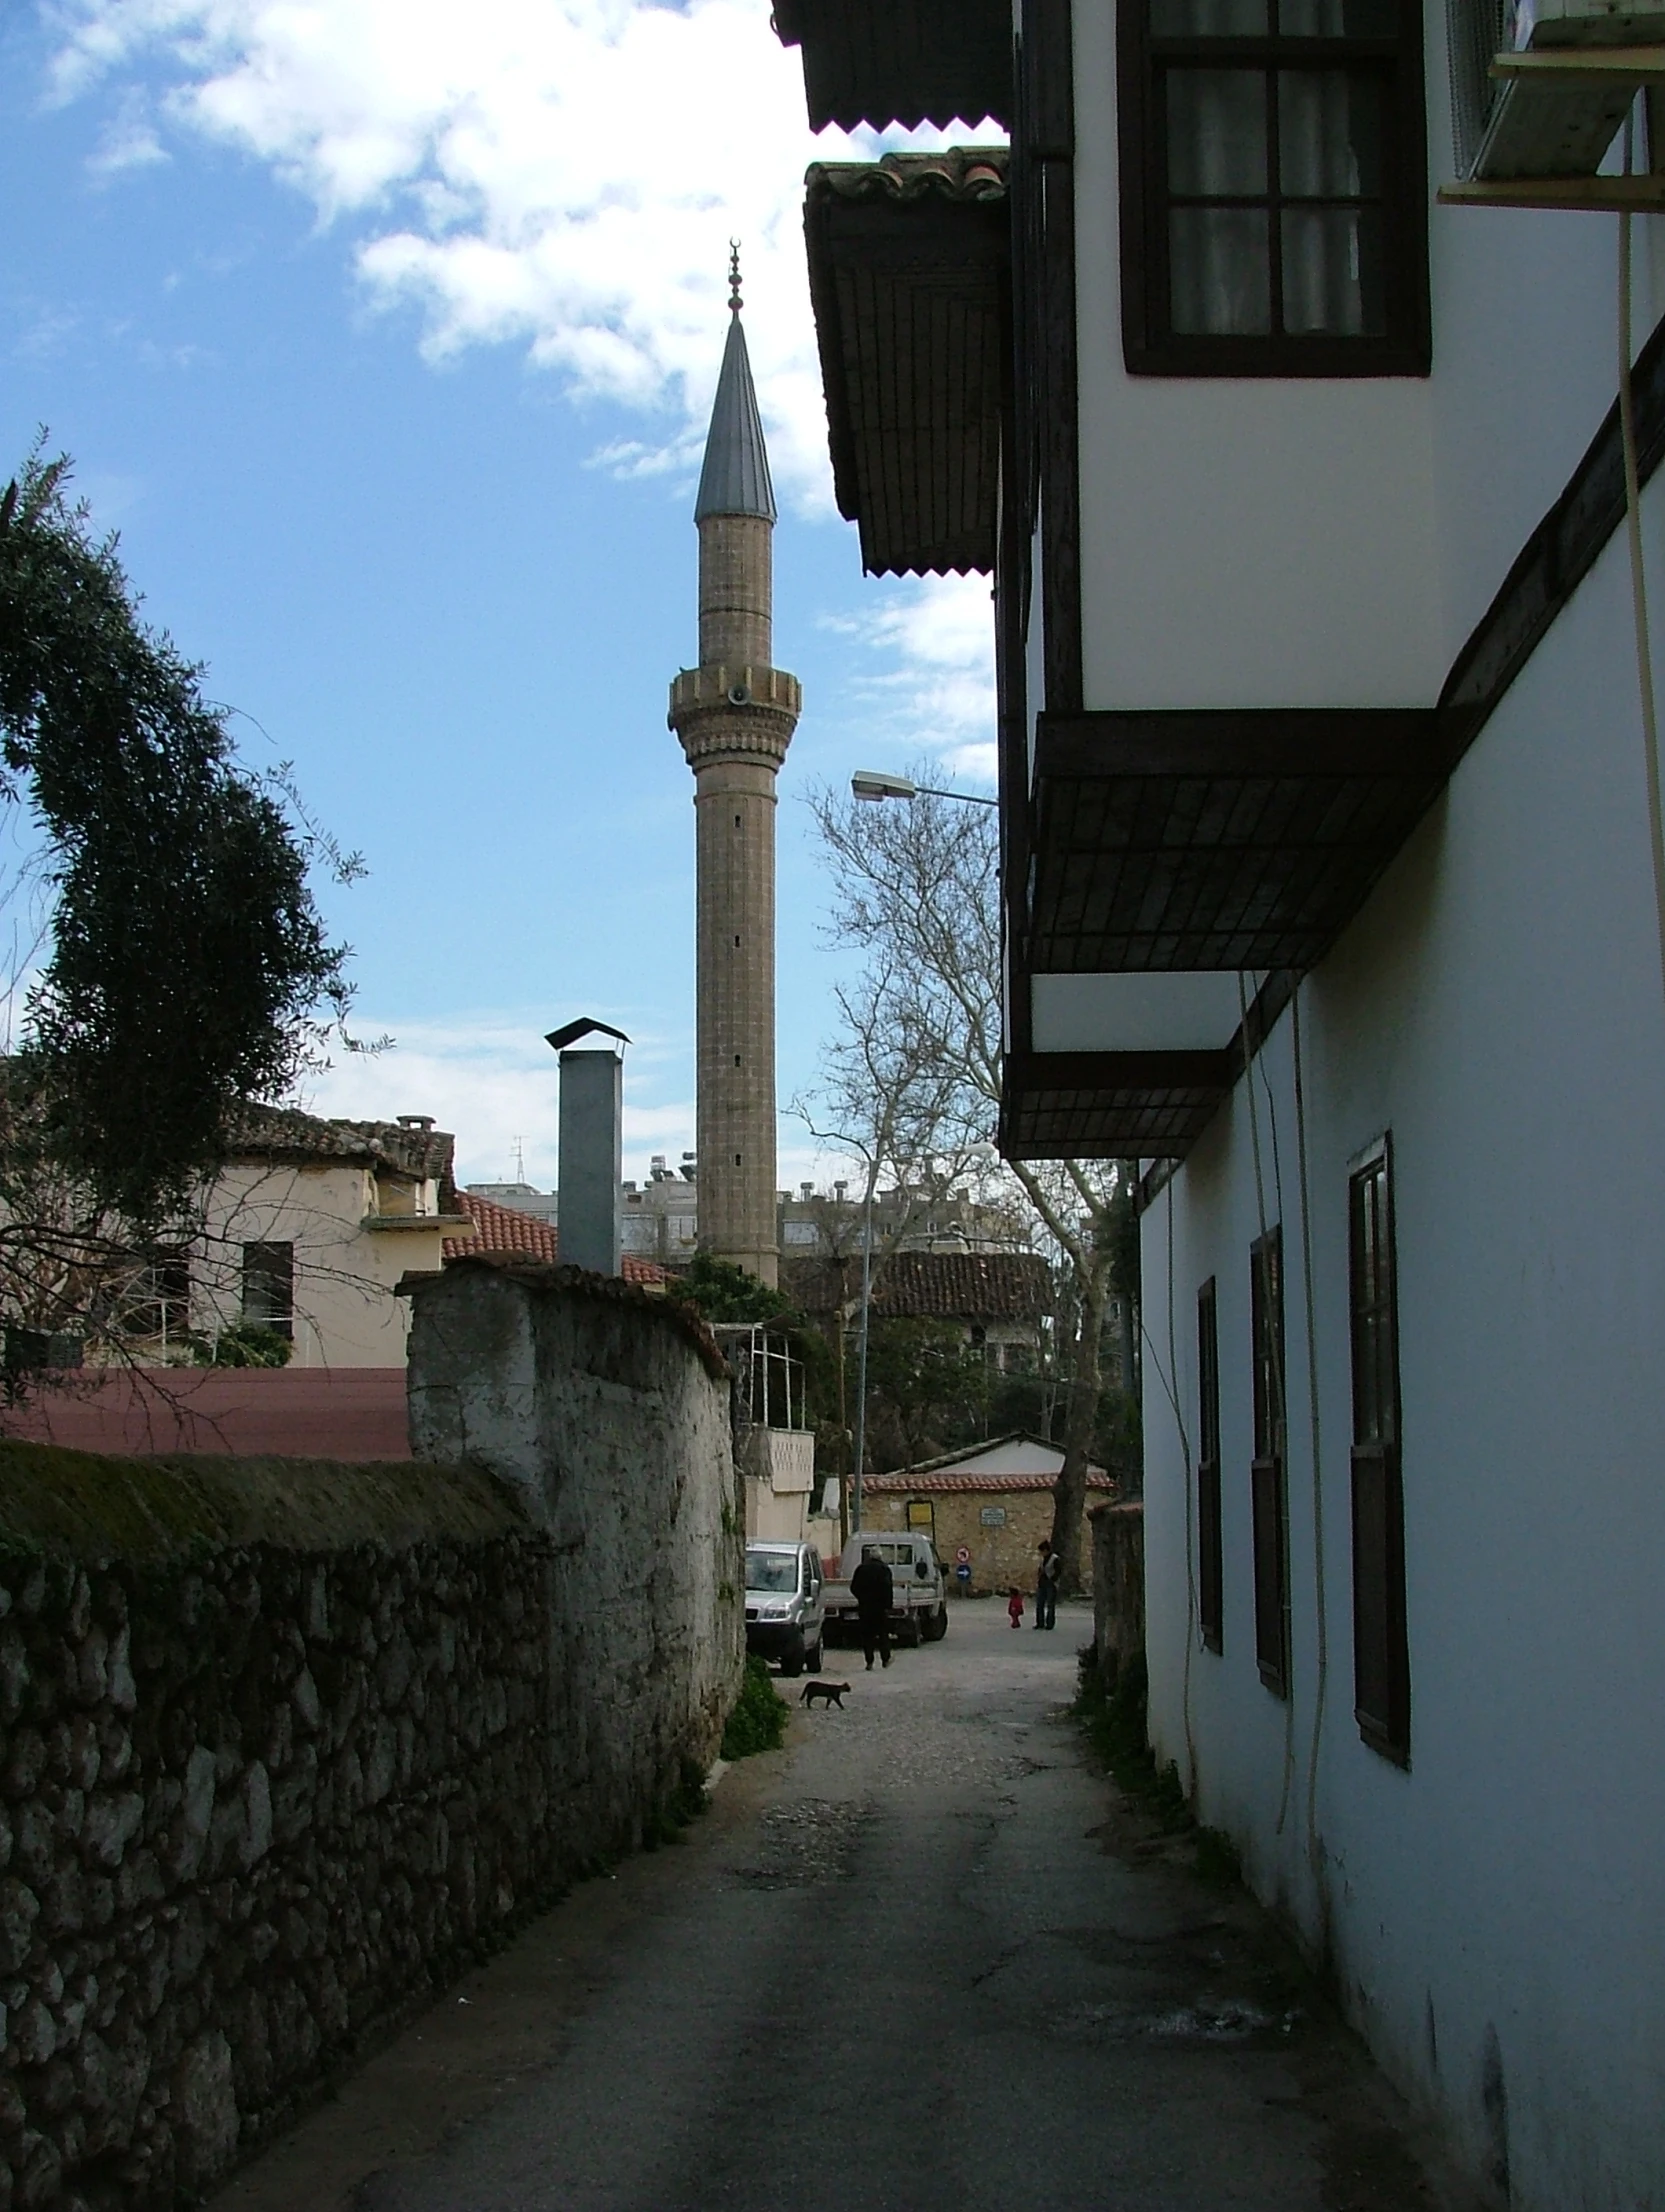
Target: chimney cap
415, 1121
585, 1026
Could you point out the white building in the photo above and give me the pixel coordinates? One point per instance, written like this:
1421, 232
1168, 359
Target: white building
1332, 894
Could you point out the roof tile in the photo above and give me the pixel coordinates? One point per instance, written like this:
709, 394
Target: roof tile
505, 1238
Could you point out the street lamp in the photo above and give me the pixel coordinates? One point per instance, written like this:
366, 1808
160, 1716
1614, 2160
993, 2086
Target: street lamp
876, 784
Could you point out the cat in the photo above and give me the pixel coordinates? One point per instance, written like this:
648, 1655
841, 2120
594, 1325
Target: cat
831, 1693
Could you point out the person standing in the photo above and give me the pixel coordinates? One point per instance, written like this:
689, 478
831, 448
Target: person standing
1014, 1607
1046, 1588
874, 1593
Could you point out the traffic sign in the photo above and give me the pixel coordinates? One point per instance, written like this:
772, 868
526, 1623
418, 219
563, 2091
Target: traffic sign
963, 1555
963, 1572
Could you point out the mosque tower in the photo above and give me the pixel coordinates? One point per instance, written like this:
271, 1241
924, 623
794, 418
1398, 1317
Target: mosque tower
735, 714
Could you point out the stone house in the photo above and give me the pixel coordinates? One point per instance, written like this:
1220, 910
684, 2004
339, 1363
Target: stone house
993, 1502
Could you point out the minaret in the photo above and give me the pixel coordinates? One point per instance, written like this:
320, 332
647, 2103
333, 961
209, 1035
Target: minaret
735, 715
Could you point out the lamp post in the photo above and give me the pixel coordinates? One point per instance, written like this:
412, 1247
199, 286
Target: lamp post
861, 1353
878, 783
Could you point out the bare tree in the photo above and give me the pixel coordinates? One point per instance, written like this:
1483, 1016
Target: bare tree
915, 889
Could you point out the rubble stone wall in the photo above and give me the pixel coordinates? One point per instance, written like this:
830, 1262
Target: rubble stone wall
285, 1745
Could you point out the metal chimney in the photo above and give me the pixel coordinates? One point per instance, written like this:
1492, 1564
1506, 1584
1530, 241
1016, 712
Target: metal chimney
592, 1147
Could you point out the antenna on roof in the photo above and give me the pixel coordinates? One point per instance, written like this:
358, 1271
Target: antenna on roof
734, 276
519, 1144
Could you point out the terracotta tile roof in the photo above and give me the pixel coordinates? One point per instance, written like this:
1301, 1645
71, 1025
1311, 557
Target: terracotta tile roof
505, 1238
285, 1133
946, 1286
923, 1485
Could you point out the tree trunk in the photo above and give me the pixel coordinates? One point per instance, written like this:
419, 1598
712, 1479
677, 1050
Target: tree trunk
1069, 1492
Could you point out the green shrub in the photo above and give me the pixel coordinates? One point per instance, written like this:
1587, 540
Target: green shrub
758, 1721
249, 1344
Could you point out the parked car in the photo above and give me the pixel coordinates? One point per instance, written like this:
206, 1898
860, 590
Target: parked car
785, 1611
919, 1586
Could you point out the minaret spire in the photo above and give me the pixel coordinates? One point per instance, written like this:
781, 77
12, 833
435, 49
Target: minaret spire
735, 714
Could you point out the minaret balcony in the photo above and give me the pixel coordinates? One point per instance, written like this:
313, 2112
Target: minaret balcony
695, 690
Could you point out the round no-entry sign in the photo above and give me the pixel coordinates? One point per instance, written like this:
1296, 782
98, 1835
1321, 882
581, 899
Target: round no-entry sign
963, 1555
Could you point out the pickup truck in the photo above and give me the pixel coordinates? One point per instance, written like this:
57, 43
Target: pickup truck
919, 1612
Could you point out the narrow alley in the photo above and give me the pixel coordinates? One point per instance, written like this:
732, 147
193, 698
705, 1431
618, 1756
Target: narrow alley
924, 1957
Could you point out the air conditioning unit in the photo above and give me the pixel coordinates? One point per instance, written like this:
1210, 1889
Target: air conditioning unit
1540, 88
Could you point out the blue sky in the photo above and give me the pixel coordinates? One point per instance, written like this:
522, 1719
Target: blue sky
384, 332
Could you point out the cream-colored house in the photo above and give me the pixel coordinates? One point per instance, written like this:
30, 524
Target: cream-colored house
306, 1231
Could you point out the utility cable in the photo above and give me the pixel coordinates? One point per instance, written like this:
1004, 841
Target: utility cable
1274, 1341
1638, 572
1192, 1623
1315, 1849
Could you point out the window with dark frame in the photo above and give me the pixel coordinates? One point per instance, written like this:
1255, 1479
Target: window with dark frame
269, 1287
1273, 188
1210, 1553
1381, 1647
1269, 1494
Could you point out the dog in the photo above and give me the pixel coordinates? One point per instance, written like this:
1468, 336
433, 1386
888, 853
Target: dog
830, 1693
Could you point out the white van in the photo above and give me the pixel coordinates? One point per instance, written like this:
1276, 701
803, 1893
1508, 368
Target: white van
785, 1613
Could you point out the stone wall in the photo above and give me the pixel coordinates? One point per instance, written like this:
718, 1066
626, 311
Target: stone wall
1004, 1553
607, 1412
253, 1798
286, 1744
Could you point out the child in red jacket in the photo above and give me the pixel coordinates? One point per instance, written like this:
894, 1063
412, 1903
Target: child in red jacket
1014, 1606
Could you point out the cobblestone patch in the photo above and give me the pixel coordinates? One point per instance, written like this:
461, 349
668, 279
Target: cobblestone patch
802, 1844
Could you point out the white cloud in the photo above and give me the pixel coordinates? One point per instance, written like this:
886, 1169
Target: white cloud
560, 174
129, 140
933, 688
493, 1082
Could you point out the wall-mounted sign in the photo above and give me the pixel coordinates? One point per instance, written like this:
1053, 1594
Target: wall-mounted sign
921, 1513
993, 1516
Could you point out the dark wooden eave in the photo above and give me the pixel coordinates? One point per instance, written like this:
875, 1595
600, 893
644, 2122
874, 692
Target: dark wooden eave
909, 278
1110, 1105
1230, 839
901, 61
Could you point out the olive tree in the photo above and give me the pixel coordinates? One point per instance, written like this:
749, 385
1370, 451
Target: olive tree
168, 962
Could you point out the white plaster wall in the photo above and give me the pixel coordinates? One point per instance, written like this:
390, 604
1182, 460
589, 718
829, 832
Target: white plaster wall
1252, 542
600, 1409
1499, 1006
1244, 542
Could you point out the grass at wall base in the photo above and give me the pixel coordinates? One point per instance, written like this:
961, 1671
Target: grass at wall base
758, 1721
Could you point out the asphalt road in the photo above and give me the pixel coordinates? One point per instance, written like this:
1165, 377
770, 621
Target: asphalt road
923, 1958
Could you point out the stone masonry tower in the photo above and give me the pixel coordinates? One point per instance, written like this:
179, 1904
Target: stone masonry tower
735, 714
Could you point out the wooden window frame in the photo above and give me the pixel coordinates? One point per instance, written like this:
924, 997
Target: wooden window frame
260, 1266
1381, 1642
1268, 1486
1150, 345
1210, 1547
